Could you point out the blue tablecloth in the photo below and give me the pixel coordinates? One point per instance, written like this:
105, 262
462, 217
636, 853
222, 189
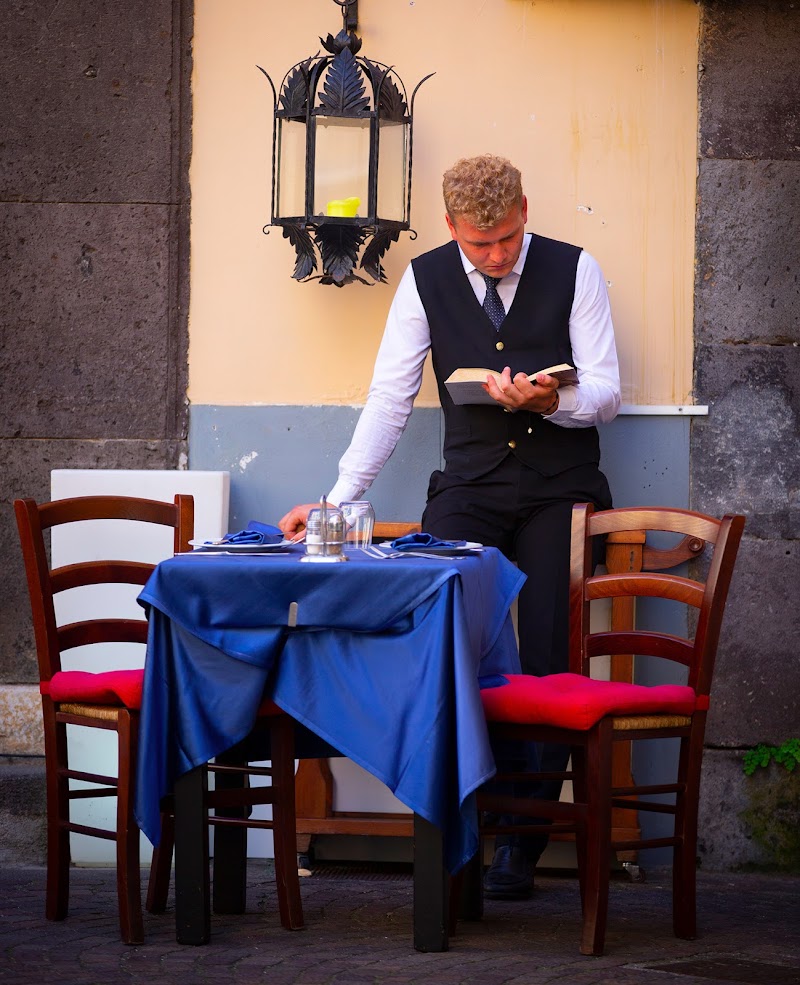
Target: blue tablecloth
382, 664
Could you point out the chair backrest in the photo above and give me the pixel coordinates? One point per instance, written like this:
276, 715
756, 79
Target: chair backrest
45, 583
390, 530
702, 535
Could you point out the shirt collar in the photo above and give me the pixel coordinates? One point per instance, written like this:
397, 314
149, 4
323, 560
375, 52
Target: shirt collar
516, 271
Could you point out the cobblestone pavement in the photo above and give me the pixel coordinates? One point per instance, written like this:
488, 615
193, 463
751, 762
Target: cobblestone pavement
359, 931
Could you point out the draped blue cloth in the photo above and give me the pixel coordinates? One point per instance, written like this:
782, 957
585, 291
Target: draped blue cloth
383, 664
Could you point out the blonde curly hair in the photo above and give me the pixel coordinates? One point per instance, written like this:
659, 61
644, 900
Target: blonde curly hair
482, 190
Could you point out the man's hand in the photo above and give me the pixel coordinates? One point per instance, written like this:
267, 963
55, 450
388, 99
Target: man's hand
538, 396
293, 524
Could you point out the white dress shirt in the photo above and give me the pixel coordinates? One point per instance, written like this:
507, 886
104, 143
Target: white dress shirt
405, 344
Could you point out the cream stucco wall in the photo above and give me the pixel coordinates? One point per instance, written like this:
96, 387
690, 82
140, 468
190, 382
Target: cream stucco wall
595, 101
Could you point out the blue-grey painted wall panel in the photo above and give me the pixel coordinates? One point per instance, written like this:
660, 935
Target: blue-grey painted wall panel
646, 460
279, 456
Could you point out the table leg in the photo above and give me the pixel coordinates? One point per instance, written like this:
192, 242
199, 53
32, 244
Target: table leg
192, 884
431, 888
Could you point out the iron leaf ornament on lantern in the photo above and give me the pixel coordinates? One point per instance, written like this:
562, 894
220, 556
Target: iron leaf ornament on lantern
341, 159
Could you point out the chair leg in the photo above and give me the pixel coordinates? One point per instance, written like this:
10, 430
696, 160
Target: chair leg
229, 888
284, 820
598, 837
161, 866
455, 891
580, 796
58, 852
466, 892
128, 872
684, 860
471, 900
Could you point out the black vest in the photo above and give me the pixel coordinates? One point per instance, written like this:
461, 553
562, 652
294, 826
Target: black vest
534, 334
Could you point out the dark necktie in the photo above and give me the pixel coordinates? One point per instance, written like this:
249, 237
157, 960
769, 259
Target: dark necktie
492, 304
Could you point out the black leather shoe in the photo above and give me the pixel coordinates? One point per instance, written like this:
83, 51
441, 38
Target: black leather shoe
509, 876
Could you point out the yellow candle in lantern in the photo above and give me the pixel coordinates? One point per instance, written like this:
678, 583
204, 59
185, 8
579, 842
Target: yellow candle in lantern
344, 206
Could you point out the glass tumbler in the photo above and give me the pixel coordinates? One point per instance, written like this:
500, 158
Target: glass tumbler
359, 519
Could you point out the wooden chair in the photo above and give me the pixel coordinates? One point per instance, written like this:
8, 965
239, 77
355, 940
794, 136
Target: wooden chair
592, 716
315, 783
232, 801
107, 700
111, 700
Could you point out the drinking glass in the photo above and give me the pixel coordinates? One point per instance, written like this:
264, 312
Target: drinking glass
359, 519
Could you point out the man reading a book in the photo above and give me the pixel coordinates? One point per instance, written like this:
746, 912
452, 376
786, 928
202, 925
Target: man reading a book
496, 296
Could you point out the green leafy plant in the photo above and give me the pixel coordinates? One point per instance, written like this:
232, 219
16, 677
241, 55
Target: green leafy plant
786, 755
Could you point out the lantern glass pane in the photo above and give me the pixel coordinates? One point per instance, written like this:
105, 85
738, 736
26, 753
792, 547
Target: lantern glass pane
290, 199
341, 172
393, 171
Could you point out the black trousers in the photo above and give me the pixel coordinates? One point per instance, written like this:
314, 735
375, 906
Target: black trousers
528, 517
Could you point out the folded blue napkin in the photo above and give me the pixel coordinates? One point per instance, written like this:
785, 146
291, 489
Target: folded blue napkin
413, 542
255, 533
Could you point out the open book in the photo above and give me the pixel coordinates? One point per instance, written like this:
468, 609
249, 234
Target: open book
465, 386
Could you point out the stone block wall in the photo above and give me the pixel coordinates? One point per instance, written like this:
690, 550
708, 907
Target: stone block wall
95, 125
745, 456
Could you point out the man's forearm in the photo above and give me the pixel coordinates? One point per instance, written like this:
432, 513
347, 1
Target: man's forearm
395, 384
378, 430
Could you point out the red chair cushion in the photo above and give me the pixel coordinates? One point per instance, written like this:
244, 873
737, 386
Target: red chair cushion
577, 702
113, 687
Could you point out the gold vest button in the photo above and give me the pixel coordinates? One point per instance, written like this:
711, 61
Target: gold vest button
530, 430
499, 346
512, 444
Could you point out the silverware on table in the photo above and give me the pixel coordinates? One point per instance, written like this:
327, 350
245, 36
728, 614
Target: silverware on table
381, 555
375, 552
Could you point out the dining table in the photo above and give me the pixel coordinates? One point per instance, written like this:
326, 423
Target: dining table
380, 657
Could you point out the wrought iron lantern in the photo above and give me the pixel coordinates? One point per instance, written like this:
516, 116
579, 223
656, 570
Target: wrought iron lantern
341, 159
